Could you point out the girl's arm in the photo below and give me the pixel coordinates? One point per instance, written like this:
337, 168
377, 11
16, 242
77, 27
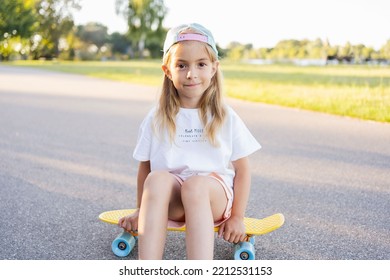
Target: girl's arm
143, 172
130, 223
233, 230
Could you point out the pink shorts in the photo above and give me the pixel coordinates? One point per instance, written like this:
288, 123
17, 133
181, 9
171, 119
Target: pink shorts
228, 193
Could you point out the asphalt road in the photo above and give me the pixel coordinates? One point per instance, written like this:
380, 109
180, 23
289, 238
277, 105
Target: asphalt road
65, 156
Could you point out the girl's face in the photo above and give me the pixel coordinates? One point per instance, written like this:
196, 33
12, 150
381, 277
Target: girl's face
191, 70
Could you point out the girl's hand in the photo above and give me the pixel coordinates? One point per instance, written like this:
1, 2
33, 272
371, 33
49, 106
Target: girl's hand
233, 230
130, 222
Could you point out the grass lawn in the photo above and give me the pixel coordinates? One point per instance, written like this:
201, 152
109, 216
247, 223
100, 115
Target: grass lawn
356, 91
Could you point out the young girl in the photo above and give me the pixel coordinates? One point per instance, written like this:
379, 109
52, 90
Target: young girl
193, 151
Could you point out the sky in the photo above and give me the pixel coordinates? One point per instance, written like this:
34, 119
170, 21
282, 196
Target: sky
263, 23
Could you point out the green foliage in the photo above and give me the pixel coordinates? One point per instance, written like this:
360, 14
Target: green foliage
17, 23
18, 17
119, 43
306, 49
37, 25
145, 18
38, 29
93, 33
385, 50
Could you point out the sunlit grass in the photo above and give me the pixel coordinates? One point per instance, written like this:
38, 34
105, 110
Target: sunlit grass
355, 91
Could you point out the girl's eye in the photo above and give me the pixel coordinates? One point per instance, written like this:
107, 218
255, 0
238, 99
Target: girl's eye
181, 66
202, 64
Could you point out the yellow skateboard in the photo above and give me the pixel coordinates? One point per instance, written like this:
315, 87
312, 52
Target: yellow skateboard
125, 242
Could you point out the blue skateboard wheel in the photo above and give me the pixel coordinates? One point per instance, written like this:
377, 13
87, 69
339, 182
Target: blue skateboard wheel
244, 251
123, 244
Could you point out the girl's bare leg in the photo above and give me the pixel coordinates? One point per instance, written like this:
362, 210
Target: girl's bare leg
161, 195
204, 202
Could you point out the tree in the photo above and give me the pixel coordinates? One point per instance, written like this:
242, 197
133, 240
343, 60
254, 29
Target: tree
316, 49
93, 33
55, 21
239, 51
34, 27
144, 18
17, 24
345, 52
91, 41
385, 50
119, 43
17, 17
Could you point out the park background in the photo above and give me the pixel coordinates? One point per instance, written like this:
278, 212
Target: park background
327, 56
347, 31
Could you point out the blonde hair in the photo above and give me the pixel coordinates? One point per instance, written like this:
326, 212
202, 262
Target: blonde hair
212, 111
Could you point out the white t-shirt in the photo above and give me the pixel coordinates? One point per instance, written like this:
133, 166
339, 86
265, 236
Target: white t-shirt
191, 153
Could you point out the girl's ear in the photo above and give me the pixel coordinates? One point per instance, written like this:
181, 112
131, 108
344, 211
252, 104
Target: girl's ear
166, 71
215, 67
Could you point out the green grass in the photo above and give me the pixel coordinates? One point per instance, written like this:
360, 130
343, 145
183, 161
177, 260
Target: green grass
355, 91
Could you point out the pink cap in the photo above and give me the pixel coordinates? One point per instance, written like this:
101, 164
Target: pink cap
196, 32
192, 37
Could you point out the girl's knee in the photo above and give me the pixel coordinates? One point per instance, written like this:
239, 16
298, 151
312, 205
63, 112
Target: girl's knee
155, 181
159, 185
194, 189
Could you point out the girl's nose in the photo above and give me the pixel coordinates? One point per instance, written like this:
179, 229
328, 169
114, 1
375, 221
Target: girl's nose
191, 73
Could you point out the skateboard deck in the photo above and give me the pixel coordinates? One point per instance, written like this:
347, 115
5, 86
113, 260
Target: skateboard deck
124, 243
